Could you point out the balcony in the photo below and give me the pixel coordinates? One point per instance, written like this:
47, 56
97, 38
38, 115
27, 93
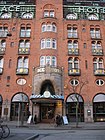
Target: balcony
73, 51
22, 71
2, 50
99, 72
24, 50
74, 71
97, 51
1, 71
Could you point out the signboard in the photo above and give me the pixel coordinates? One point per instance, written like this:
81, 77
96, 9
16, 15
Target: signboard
65, 120
29, 119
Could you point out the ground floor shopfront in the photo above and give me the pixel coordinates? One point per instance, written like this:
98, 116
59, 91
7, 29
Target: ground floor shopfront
46, 108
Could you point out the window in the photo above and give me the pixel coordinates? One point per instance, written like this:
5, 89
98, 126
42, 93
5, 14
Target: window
95, 33
25, 32
72, 44
48, 43
1, 62
74, 82
98, 63
49, 27
96, 45
48, 60
3, 31
49, 13
27, 16
24, 44
23, 62
93, 17
100, 82
72, 32
2, 43
71, 16
73, 63
6, 16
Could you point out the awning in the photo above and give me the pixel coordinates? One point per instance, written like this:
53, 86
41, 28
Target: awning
42, 98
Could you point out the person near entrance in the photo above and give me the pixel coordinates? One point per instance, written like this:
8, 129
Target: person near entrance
58, 120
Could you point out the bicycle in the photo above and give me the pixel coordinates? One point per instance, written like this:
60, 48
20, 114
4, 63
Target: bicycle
4, 130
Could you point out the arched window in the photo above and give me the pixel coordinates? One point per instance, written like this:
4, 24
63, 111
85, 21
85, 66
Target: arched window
48, 60
3, 43
1, 62
43, 27
48, 43
22, 62
98, 63
72, 44
95, 32
93, 17
73, 63
72, 32
49, 27
42, 60
71, 16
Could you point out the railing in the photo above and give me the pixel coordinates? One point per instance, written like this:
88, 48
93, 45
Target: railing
73, 51
24, 50
22, 71
2, 50
74, 71
99, 72
1, 70
98, 51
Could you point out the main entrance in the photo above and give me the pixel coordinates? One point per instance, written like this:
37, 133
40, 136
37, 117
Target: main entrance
47, 112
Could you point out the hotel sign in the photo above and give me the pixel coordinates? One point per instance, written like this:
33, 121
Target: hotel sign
17, 8
85, 9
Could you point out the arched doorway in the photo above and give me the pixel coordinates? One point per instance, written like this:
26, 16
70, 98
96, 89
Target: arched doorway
19, 105
1, 101
47, 108
71, 102
99, 107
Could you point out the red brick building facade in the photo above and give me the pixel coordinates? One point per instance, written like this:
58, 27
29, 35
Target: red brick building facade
52, 58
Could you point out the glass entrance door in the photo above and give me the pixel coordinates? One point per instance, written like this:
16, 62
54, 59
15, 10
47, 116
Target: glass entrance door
47, 112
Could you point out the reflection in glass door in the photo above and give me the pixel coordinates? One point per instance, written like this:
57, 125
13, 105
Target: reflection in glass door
47, 112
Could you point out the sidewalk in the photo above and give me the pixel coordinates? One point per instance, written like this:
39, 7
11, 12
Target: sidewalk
51, 126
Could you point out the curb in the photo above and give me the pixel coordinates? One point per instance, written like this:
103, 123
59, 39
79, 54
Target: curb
32, 137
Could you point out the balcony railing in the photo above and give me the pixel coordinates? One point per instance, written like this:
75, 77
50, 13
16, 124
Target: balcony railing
99, 72
2, 50
1, 70
97, 51
73, 51
22, 71
24, 50
74, 71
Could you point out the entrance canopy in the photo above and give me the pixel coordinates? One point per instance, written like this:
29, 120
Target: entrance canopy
43, 99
